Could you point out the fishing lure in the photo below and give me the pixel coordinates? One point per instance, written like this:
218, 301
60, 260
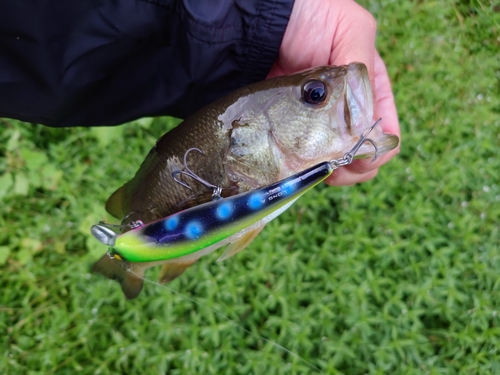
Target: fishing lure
199, 230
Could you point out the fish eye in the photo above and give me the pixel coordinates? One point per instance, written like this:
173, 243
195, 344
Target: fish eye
314, 92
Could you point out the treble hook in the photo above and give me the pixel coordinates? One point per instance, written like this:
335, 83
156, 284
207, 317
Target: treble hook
188, 172
349, 156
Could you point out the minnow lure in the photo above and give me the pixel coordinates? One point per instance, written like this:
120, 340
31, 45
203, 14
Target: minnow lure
189, 234
202, 226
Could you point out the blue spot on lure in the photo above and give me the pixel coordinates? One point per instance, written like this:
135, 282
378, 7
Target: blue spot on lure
179, 240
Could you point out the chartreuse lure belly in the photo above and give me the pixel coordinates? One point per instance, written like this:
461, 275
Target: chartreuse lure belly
200, 227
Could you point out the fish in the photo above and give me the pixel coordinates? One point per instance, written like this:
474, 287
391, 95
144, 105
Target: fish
254, 137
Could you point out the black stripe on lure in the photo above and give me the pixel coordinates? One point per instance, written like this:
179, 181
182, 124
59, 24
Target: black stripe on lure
194, 232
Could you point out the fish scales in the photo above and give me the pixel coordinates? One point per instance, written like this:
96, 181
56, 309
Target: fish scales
153, 194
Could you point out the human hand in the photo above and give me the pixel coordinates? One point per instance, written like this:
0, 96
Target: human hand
337, 32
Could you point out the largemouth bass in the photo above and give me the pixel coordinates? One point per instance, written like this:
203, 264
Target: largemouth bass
256, 136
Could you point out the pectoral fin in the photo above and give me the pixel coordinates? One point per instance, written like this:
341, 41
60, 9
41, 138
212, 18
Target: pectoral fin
241, 243
170, 271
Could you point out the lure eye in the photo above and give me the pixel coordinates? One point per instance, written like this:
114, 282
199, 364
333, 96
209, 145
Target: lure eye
314, 92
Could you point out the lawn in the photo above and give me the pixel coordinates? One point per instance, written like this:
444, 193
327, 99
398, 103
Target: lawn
399, 275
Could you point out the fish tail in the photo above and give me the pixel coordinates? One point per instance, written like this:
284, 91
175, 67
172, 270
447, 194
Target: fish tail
131, 282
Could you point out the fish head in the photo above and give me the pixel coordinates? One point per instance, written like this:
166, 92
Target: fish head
322, 114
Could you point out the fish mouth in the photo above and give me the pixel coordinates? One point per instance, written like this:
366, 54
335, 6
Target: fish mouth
358, 113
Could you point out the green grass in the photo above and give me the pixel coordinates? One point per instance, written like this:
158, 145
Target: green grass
400, 275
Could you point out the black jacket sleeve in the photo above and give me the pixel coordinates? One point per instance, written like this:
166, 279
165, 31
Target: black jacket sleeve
105, 62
